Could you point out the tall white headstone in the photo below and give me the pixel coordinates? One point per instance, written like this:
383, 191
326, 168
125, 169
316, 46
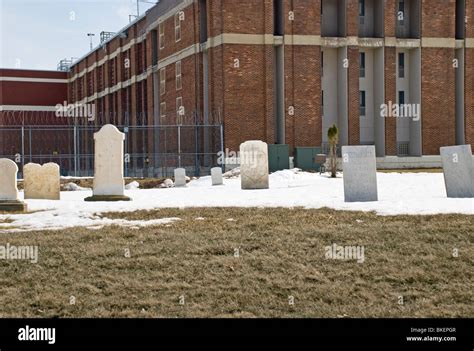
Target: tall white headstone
254, 165
216, 175
179, 177
108, 165
360, 173
458, 169
9, 200
41, 182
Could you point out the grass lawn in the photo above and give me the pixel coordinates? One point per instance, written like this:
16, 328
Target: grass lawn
190, 269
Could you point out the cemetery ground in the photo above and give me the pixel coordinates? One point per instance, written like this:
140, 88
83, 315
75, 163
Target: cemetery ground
245, 262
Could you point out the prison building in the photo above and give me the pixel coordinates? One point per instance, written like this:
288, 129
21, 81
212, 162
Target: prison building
283, 71
29, 98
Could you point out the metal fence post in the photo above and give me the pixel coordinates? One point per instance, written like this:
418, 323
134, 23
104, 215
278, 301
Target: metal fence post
22, 148
179, 146
29, 144
75, 150
222, 146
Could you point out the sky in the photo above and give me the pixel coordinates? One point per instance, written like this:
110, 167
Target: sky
37, 34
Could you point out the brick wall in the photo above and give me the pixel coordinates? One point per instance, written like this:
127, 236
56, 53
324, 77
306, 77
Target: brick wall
353, 96
438, 18
438, 99
469, 96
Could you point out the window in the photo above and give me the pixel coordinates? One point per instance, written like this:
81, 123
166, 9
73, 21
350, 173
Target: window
179, 110
163, 80
90, 87
100, 79
179, 83
401, 102
401, 97
362, 103
154, 47
177, 26
401, 11
322, 63
163, 109
179, 104
161, 29
401, 65
361, 11
361, 8
362, 65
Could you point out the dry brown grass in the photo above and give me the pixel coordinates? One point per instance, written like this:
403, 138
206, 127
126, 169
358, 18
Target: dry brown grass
281, 255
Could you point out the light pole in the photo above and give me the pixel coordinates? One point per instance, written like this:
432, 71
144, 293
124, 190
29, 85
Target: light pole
145, 2
90, 35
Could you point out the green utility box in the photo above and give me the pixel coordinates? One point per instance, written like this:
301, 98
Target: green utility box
278, 157
304, 158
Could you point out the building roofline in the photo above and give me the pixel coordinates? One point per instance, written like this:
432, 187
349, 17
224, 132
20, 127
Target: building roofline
122, 30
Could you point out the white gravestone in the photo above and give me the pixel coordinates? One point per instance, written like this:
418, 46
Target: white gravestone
41, 182
216, 175
359, 173
254, 165
108, 165
9, 200
179, 177
458, 169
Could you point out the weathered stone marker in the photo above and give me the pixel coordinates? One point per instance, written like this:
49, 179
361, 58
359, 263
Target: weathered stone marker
9, 200
179, 177
254, 165
216, 175
108, 165
360, 173
458, 169
41, 182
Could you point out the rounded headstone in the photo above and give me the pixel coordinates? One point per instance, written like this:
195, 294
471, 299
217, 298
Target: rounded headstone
41, 182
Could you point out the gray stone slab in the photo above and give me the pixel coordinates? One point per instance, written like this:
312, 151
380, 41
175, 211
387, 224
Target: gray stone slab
216, 175
360, 173
458, 169
179, 177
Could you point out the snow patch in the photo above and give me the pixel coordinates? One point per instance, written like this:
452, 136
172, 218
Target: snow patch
399, 193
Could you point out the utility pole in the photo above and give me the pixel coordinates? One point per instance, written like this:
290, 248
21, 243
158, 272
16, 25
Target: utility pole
90, 35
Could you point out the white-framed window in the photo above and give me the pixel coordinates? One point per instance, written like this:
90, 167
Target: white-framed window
179, 104
179, 82
162, 80
161, 30
177, 26
179, 110
163, 109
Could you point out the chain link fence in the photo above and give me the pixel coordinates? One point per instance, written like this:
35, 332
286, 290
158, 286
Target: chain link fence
149, 151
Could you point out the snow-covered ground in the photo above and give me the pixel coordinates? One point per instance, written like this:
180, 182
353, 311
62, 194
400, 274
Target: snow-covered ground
406, 193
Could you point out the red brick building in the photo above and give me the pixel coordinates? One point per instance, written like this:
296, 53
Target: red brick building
29, 98
282, 71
